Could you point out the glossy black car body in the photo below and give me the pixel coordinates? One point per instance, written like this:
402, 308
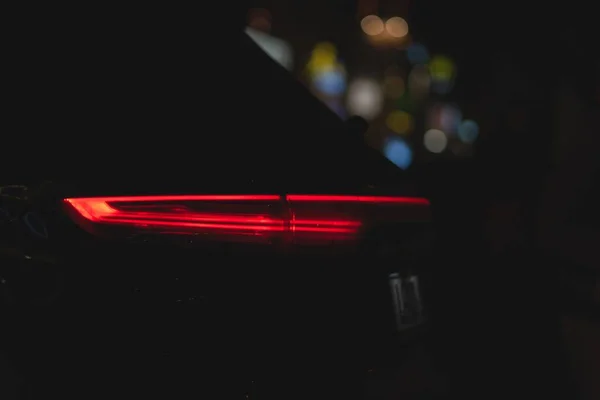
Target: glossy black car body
168, 306
178, 316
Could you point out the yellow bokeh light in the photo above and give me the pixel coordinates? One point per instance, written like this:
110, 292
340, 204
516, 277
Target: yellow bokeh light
399, 122
441, 68
323, 58
325, 48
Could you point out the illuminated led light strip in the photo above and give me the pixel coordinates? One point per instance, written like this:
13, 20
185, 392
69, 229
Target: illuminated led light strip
357, 199
121, 210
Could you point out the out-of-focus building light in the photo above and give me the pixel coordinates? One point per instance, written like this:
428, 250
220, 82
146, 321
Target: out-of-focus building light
396, 27
399, 122
398, 152
443, 72
372, 25
435, 140
327, 74
449, 118
445, 117
332, 83
441, 68
279, 50
417, 54
468, 131
365, 98
322, 59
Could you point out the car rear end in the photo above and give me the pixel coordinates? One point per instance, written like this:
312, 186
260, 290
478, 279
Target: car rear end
252, 292
149, 291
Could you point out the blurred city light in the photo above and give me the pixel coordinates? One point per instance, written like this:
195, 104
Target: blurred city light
277, 49
441, 68
395, 83
468, 131
322, 59
445, 117
435, 140
365, 98
332, 82
396, 27
372, 25
450, 119
392, 33
399, 122
398, 152
417, 54
327, 76
442, 71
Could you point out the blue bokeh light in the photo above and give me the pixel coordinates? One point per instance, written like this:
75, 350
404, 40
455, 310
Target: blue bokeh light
331, 82
417, 54
398, 152
468, 131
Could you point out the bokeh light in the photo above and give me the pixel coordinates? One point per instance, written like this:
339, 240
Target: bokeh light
327, 76
279, 50
442, 71
450, 118
372, 25
417, 54
396, 27
435, 140
441, 68
399, 122
322, 59
365, 98
331, 83
398, 152
445, 117
468, 131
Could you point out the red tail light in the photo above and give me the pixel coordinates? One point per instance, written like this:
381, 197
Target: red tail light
257, 218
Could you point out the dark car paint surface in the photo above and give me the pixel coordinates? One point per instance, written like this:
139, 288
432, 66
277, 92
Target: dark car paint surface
164, 309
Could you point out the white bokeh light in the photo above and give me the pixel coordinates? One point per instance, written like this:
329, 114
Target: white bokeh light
365, 98
435, 140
